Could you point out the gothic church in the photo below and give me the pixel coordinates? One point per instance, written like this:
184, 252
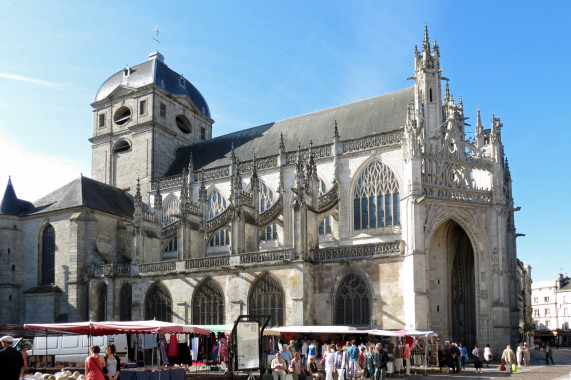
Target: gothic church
375, 214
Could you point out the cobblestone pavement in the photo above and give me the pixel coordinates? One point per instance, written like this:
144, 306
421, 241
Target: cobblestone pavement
536, 371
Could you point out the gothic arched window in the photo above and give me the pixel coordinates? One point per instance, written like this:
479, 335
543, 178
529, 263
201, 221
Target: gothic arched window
266, 201
48, 255
101, 302
325, 225
158, 303
171, 248
216, 204
352, 302
267, 297
125, 302
208, 304
171, 210
376, 199
221, 238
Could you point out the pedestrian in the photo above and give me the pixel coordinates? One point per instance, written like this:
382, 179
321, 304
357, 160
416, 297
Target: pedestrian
296, 367
329, 361
24, 352
341, 362
397, 358
94, 365
488, 356
478, 355
11, 361
508, 357
463, 354
519, 354
548, 354
526, 354
286, 354
406, 357
278, 366
312, 370
381, 359
370, 370
353, 354
455, 354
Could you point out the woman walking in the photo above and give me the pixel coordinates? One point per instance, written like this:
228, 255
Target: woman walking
478, 356
488, 356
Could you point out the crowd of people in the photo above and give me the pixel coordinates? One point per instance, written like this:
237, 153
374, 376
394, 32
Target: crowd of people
342, 361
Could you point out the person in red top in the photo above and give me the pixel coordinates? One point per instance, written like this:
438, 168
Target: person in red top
94, 365
406, 356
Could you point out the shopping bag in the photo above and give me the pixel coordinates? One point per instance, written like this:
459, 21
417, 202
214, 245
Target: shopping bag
502, 367
514, 367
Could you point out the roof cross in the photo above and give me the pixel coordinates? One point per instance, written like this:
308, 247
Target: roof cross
156, 38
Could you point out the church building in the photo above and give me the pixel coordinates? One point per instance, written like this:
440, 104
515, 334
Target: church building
376, 214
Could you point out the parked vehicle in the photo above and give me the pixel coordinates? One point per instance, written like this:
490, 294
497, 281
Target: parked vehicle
75, 348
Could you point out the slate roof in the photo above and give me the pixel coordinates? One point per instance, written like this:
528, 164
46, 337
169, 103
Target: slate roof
86, 192
157, 72
11, 205
371, 116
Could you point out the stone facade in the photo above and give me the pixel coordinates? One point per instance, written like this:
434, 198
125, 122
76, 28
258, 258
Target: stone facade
377, 214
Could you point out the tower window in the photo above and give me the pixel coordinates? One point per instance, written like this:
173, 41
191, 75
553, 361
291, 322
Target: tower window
163, 110
121, 146
101, 121
183, 124
430, 95
143, 107
122, 115
203, 133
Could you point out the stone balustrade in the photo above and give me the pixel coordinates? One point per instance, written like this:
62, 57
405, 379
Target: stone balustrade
275, 257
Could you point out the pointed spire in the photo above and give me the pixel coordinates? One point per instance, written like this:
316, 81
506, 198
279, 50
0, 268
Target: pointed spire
233, 154
138, 196
336, 131
426, 44
10, 202
282, 145
436, 48
158, 197
254, 166
460, 102
447, 92
479, 120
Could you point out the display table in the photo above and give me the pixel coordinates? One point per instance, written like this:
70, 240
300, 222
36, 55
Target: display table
152, 374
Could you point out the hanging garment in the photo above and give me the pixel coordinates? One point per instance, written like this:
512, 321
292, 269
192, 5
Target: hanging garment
194, 350
163, 349
173, 346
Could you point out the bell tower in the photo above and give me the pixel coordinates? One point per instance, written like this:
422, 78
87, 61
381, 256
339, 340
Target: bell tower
428, 94
141, 115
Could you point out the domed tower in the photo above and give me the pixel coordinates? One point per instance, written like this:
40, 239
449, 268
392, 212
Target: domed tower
141, 115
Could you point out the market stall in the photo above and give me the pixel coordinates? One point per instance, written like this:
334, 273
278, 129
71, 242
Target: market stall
132, 327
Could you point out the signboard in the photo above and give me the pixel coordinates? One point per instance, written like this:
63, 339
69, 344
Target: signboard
248, 345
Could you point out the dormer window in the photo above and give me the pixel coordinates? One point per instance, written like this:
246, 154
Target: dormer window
127, 71
182, 82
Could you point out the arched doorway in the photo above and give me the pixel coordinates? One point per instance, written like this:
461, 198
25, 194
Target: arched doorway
452, 284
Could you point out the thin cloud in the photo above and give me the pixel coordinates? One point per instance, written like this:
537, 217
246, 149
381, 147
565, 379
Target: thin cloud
29, 80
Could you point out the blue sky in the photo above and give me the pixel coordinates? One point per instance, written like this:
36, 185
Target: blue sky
261, 61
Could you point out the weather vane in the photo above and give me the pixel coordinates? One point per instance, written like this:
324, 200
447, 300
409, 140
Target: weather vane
157, 37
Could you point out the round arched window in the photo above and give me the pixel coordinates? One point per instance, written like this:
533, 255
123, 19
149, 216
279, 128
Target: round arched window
183, 124
121, 146
122, 115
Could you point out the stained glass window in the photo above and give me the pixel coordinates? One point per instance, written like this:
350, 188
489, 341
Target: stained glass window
221, 238
216, 204
158, 303
325, 225
376, 200
208, 304
171, 210
48, 255
267, 297
266, 201
352, 302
